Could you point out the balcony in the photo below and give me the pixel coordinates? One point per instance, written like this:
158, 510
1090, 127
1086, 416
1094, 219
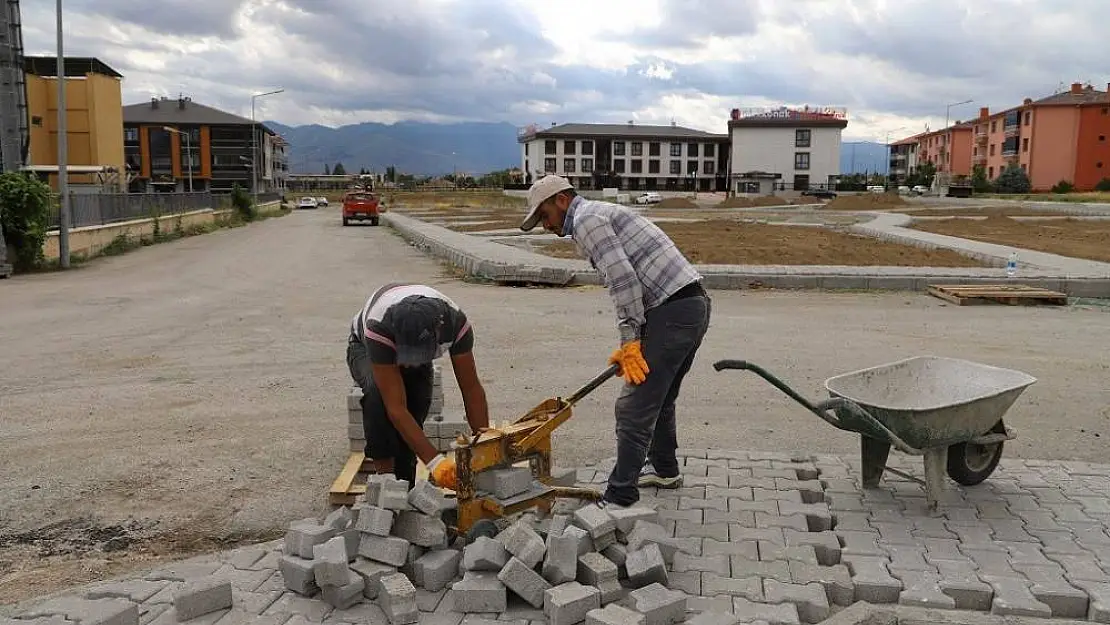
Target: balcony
1011, 130
979, 158
980, 136
1009, 153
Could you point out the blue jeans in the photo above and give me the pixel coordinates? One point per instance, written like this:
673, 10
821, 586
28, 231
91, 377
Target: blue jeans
645, 414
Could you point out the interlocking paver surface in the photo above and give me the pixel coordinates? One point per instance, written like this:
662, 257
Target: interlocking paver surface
1032, 540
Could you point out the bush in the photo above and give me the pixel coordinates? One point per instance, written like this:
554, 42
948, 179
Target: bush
1103, 185
1063, 186
241, 202
25, 205
1012, 180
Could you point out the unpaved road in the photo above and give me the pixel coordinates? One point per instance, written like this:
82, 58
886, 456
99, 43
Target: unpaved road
191, 390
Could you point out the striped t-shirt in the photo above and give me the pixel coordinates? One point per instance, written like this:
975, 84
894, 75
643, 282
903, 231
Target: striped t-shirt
456, 336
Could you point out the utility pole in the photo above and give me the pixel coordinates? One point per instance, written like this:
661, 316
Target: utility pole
63, 149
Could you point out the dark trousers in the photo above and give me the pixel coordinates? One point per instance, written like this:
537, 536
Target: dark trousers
383, 441
645, 414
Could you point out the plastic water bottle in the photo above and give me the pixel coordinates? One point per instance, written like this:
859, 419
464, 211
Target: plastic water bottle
1011, 265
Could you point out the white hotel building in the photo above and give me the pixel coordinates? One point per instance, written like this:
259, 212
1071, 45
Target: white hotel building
627, 156
785, 149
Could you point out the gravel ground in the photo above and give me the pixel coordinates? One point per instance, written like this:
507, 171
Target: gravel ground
200, 385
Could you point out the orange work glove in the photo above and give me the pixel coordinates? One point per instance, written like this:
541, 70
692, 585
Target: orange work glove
633, 366
443, 472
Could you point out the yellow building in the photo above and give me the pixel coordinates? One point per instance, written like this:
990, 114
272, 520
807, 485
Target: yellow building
94, 120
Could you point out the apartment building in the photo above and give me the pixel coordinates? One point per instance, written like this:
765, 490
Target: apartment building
94, 124
785, 148
627, 156
903, 159
948, 149
170, 142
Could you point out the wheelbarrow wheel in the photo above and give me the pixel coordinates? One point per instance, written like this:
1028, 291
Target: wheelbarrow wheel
970, 463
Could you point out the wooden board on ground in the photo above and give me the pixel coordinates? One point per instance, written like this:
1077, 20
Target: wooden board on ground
1012, 294
351, 481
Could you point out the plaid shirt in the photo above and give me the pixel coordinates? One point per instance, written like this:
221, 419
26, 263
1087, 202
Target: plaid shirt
640, 264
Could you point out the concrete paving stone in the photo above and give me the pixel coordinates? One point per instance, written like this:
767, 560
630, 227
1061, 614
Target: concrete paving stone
702, 504
409, 567
739, 533
895, 534
748, 482
769, 552
136, 590
1012, 597
479, 592
975, 537
1027, 554
742, 568
1081, 567
658, 604
339, 519
714, 618
345, 596
964, 586
836, 580
794, 521
646, 566
751, 507
773, 614
744, 518
527, 583
1037, 520
523, 542
625, 519
817, 514
1009, 530
291, 604
329, 563
922, 589
428, 601
825, 544
615, 615
245, 558
485, 554
716, 531
719, 603
421, 529
769, 494
996, 563
506, 482
810, 599
1098, 607
605, 540
852, 521
298, 574
594, 568
567, 604
846, 502
115, 611
957, 516
302, 537
581, 538
520, 610
364, 613
427, 498
909, 558
187, 571
397, 598
1051, 588
748, 549
254, 603
872, 579
389, 550
718, 492
861, 543
436, 569
813, 492
718, 564
371, 573
644, 533
169, 617
693, 516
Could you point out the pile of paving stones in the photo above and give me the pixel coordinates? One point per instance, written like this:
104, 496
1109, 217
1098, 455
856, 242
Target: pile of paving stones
440, 428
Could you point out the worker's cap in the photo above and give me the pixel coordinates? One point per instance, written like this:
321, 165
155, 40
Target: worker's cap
539, 192
417, 322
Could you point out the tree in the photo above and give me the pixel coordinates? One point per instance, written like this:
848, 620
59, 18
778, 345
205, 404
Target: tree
25, 206
1103, 185
1012, 180
391, 173
979, 181
327, 170
338, 170
927, 171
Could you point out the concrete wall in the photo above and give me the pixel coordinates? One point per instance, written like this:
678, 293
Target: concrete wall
90, 240
1054, 137
772, 150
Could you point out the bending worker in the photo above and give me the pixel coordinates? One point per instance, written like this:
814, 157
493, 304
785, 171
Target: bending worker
393, 341
662, 316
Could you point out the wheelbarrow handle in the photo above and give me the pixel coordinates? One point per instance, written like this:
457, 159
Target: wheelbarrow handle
825, 410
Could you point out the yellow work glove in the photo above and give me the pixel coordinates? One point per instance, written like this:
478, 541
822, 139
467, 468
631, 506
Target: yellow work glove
633, 366
443, 472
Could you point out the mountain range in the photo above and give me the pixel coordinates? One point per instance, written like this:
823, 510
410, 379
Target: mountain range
470, 147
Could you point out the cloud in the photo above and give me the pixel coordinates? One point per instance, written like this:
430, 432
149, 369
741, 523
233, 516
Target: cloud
895, 65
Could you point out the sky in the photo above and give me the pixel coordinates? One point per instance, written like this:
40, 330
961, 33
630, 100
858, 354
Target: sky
895, 65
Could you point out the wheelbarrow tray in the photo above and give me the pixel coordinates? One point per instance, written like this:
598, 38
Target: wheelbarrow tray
930, 401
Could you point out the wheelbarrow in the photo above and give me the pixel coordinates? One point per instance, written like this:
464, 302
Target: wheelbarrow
945, 409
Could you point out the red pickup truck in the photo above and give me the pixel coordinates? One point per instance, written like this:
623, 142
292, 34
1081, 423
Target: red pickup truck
360, 206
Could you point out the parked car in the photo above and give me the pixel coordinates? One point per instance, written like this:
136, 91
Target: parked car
824, 194
361, 206
920, 189
876, 188
321, 201
651, 197
307, 202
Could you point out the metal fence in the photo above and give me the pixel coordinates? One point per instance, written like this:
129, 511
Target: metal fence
106, 208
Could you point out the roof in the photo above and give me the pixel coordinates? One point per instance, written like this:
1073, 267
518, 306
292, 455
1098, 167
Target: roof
618, 130
911, 140
181, 111
1085, 95
774, 122
75, 66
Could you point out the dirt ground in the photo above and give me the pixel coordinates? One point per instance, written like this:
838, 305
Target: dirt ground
865, 202
1077, 238
985, 211
731, 242
191, 395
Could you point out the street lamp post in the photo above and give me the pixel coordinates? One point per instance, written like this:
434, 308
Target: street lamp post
63, 149
947, 135
254, 144
188, 151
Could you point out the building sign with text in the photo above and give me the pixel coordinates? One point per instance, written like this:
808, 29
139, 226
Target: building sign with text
792, 113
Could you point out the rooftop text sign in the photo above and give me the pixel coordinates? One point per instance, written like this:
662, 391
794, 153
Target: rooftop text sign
794, 113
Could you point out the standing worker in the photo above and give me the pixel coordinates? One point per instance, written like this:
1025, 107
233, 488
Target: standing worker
400, 330
662, 316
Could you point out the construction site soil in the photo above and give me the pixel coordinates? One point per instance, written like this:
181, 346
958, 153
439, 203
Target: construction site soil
1077, 238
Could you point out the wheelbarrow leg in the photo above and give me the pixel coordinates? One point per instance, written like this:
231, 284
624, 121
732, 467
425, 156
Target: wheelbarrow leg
936, 464
873, 456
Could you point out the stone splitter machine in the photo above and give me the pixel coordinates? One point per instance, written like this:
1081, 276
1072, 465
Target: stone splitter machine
945, 409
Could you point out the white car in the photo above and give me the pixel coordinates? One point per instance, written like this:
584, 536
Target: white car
321, 201
920, 189
308, 202
650, 197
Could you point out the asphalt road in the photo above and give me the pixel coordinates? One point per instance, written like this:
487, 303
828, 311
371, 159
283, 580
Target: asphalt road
204, 379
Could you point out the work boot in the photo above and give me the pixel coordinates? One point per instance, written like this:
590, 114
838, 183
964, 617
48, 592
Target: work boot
649, 477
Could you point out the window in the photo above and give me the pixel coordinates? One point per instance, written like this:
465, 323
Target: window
707, 167
676, 150
569, 147
131, 135
36, 120
709, 150
618, 148
1028, 117
637, 166
587, 148
801, 181
587, 165
549, 165
1023, 167
1025, 144
549, 147
653, 148
994, 126
691, 167
801, 160
990, 172
653, 166
692, 149
802, 138
569, 165
676, 166
618, 165
992, 149
637, 148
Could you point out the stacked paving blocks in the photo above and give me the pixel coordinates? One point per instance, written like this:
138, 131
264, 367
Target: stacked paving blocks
440, 436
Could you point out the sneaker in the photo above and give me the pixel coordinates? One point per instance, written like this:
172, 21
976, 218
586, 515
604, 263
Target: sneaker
648, 477
610, 505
